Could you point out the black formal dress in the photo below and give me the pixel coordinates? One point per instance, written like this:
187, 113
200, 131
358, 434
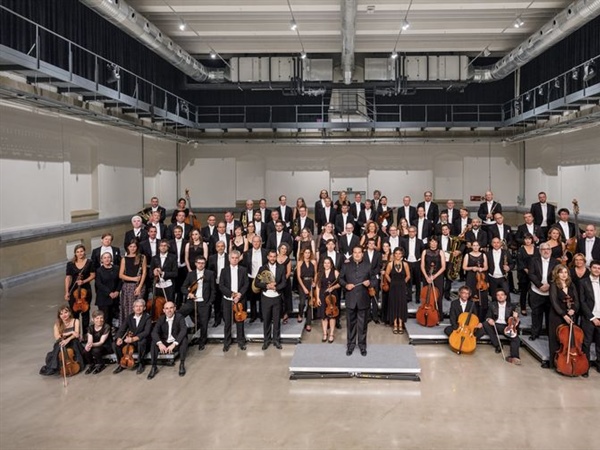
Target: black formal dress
324, 283
107, 280
559, 305
397, 306
82, 274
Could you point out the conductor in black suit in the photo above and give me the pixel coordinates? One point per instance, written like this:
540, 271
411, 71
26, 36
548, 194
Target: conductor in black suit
169, 335
271, 300
356, 276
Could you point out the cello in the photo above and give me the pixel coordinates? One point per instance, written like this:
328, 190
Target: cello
463, 340
68, 365
428, 314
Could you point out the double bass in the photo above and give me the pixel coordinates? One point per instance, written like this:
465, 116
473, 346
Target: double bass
428, 314
463, 339
191, 219
570, 360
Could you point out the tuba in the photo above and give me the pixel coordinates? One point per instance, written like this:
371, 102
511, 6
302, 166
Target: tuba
265, 276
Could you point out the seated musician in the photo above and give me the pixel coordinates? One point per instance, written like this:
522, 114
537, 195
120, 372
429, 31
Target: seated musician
459, 306
497, 316
66, 335
199, 289
168, 336
99, 343
135, 329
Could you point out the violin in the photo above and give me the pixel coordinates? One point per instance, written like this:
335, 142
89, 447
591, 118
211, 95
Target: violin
384, 215
80, 295
385, 284
511, 328
428, 314
127, 361
463, 340
155, 306
68, 365
239, 312
482, 283
570, 360
331, 310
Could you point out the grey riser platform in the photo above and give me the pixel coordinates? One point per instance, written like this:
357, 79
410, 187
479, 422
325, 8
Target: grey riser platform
396, 362
290, 332
168, 360
418, 334
539, 348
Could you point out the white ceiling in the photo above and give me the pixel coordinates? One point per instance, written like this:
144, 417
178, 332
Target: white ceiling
263, 26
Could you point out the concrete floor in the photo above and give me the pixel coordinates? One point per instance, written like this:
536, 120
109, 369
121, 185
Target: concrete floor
245, 399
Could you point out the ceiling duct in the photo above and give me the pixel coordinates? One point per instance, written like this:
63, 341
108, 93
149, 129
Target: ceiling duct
348, 35
564, 23
121, 14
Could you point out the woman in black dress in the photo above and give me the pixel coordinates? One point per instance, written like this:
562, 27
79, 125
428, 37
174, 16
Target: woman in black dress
325, 236
66, 335
564, 304
133, 274
108, 288
326, 283
238, 241
79, 274
476, 262
386, 257
397, 273
556, 245
194, 248
306, 269
181, 206
99, 343
284, 259
527, 251
433, 266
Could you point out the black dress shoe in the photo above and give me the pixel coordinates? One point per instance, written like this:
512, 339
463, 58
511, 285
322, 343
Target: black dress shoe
266, 345
498, 349
201, 347
532, 337
585, 375
119, 369
277, 345
338, 326
597, 366
363, 351
242, 347
182, 369
216, 324
140, 369
253, 320
153, 372
545, 364
226, 347
90, 369
349, 351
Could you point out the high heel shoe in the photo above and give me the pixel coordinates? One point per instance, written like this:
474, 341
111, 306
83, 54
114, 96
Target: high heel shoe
395, 330
331, 338
324, 339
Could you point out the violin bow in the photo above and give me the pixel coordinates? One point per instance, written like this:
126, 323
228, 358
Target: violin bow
62, 349
499, 343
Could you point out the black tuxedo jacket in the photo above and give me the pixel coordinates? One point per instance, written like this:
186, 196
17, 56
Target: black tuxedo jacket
363, 219
161, 329
505, 257
285, 237
352, 210
206, 234
208, 285
412, 214
287, 217
457, 227
581, 248
169, 267
494, 232
161, 228
171, 234
337, 263
344, 247
482, 237
493, 311
308, 223
522, 230
173, 249
587, 301
455, 214
96, 256
390, 218
280, 279
535, 270
146, 250
434, 211
375, 262
339, 223
353, 273
130, 235
225, 281
536, 211
482, 212
322, 219
236, 223
456, 310
142, 331
419, 247
427, 228
212, 243
247, 259
212, 263
160, 209
267, 217
107, 281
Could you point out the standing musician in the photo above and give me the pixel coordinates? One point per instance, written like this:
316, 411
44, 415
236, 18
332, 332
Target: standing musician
233, 284
376, 199
527, 251
397, 274
149, 247
238, 240
446, 240
106, 247
216, 264
284, 259
135, 329
589, 299
265, 213
462, 304
540, 275
161, 228
199, 289
544, 214
373, 255
179, 222
392, 238
220, 235
331, 252
133, 274
195, 247
155, 207
500, 230
99, 343
461, 222
348, 240
168, 336
413, 249
452, 214
260, 228
325, 215
556, 245
564, 304
529, 227
66, 335
253, 260
247, 215
271, 300
79, 274
476, 234
181, 206
305, 241
356, 276
366, 215
326, 283
424, 225
342, 200
108, 288
270, 226
433, 267
497, 317
177, 247
208, 231
285, 212
385, 215
500, 264
371, 232
280, 236
437, 228
302, 221
342, 219
137, 231
406, 211
355, 210
164, 270
230, 223
589, 245
488, 208
567, 229
432, 211
475, 262
328, 234
319, 207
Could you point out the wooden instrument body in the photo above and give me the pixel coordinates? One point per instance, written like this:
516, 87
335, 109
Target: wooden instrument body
331, 310
569, 359
67, 363
155, 307
239, 312
463, 340
427, 314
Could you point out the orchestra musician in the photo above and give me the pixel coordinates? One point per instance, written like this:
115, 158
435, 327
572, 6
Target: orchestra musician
285, 212
579, 271
208, 231
564, 304
433, 267
137, 231
371, 232
149, 248
168, 336
326, 282
221, 236
181, 206
497, 317
306, 270
253, 260
325, 215
161, 228
302, 221
199, 290
326, 235
284, 258
265, 213
135, 329
270, 226
348, 240
300, 203
342, 219
476, 262
133, 273
177, 247
589, 299
319, 207
530, 228
406, 211
163, 270
366, 215
500, 265
247, 215
462, 304
342, 200
99, 343
557, 247
79, 274
238, 240
108, 288
230, 223
452, 214
424, 225
540, 275
488, 208
544, 214
527, 251
260, 228
66, 335
233, 284
355, 278
305, 240
590, 244
271, 300
437, 229
476, 234
413, 249
567, 229
373, 255
500, 230
445, 244
397, 273
462, 221
431, 209
385, 215
216, 264
280, 236
403, 227
106, 247
179, 222
195, 247
355, 209
155, 207
386, 257
376, 199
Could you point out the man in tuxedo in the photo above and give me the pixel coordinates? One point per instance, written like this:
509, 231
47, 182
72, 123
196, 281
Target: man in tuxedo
271, 300
529, 227
139, 324
199, 289
462, 304
423, 224
355, 210
342, 219
155, 207
326, 214
208, 231
168, 336
451, 213
177, 247
260, 228
413, 249
567, 229
179, 222
137, 232
384, 209
253, 260
230, 223
234, 285
540, 275
303, 221
497, 317
476, 234
161, 228
488, 208
500, 230
247, 215
375, 202
285, 212
374, 257
271, 224
393, 239
106, 247
367, 214
589, 299
589, 245
280, 236
331, 252
319, 205
407, 211
216, 264
544, 214
164, 271
149, 248
221, 235
432, 211
355, 278
460, 223
500, 263
348, 240
437, 229
265, 213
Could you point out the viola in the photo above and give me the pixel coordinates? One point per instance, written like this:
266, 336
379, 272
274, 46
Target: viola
68, 365
463, 340
239, 312
511, 328
569, 359
331, 310
385, 284
384, 215
81, 296
428, 314
127, 361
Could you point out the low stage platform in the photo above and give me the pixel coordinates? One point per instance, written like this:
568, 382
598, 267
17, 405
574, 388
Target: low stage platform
393, 362
291, 332
418, 334
540, 351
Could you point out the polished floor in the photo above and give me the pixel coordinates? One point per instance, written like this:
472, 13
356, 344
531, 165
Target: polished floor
245, 399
